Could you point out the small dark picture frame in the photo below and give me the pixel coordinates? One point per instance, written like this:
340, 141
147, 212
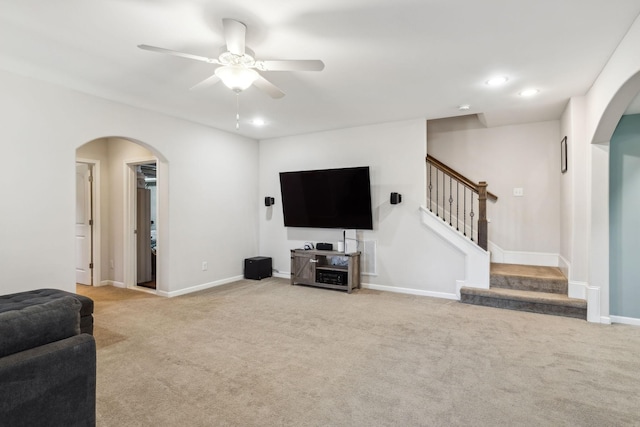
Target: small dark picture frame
563, 155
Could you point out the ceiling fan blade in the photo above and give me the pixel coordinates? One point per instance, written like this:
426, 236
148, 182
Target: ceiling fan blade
268, 87
234, 34
290, 65
209, 81
176, 53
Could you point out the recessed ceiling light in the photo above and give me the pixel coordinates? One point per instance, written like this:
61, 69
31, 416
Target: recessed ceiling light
497, 81
529, 92
258, 122
464, 107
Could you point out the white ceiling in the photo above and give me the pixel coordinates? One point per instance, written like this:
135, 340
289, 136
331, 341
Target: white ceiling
385, 60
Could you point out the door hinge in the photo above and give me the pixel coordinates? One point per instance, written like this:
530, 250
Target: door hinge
91, 265
90, 222
90, 178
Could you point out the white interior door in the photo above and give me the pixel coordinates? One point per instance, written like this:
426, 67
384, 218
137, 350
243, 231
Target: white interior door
83, 224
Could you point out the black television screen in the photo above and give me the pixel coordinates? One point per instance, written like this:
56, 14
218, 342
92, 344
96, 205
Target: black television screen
327, 198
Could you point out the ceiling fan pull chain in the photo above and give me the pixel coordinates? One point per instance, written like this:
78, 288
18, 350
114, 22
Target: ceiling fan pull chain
237, 110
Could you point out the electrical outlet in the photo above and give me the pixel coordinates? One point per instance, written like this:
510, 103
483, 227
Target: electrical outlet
518, 192
205, 265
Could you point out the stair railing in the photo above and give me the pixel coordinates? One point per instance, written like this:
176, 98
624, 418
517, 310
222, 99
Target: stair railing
453, 197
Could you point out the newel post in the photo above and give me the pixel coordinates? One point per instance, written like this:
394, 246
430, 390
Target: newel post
482, 215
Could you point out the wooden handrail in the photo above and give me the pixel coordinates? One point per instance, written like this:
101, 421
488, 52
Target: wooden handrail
480, 189
466, 181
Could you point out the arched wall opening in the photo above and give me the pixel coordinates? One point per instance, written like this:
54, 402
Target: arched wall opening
615, 109
115, 160
600, 270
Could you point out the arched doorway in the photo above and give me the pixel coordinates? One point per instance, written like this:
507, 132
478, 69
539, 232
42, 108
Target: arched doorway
600, 256
115, 186
624, 223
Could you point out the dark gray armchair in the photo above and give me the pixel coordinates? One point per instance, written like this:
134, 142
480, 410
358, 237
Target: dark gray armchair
47, 367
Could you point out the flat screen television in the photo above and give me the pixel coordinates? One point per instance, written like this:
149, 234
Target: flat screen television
327, 198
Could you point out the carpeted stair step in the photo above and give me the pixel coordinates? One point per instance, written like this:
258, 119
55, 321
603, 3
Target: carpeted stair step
530, 301
528, 278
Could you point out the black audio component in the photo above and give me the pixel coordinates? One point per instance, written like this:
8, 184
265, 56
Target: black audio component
332, 277
324, 246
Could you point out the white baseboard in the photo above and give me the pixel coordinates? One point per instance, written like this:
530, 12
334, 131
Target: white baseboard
582, 290
395, 289
410, 291
502, 256
625, 320
199, 287
564, 266
111, 283
578, 290
591, 294
593, 304
459, 285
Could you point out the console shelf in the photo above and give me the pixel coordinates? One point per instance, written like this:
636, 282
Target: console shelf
325, 269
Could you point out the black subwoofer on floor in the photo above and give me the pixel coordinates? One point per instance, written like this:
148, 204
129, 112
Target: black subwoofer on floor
257, 267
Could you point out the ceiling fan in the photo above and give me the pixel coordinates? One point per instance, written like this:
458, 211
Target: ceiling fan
237, 65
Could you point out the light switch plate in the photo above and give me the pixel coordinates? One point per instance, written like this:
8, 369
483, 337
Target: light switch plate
518, 192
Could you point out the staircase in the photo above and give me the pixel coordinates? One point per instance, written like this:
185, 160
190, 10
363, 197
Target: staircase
462, 204
527, 288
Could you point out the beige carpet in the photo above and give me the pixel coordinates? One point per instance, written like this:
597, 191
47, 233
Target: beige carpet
264, 353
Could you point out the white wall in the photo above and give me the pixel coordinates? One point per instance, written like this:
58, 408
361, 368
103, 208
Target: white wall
525, 156
575, 196
409, 255
593, 119
211, 200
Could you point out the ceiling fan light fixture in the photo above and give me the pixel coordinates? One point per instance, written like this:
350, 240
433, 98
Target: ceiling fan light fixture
236, 64
236, 77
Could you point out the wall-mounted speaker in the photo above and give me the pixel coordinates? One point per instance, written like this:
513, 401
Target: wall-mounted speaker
395, 198
269, 201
